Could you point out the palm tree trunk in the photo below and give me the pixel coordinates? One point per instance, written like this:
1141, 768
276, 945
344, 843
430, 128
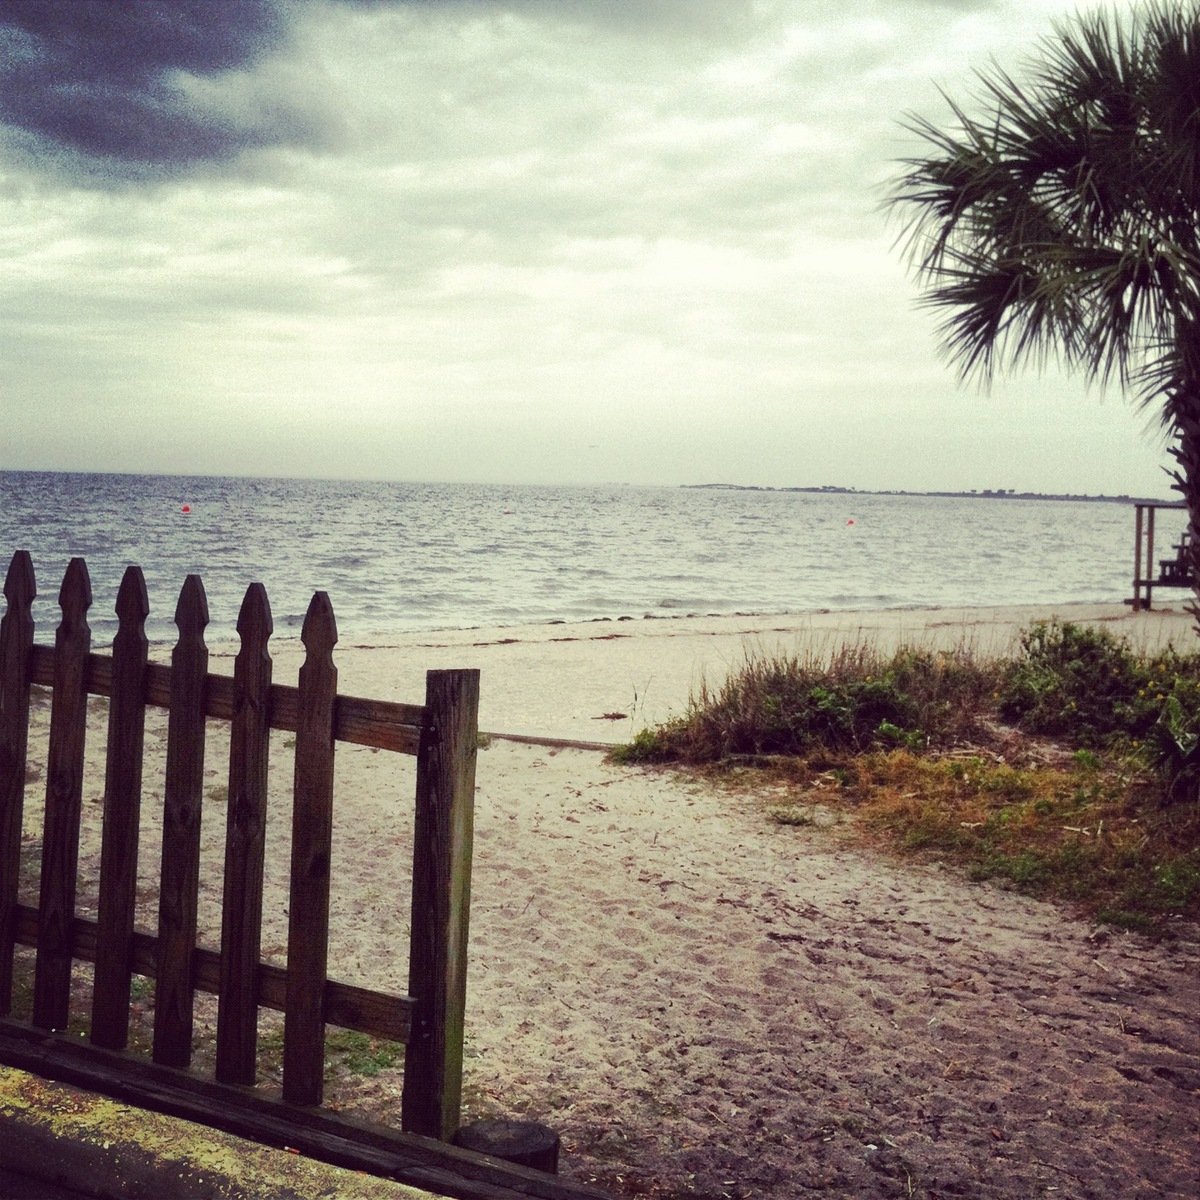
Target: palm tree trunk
1185, 416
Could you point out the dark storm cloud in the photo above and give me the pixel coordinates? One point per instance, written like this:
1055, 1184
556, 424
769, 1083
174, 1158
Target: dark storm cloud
124, 81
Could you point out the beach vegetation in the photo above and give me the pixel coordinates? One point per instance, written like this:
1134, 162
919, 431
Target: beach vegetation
1089, 684
1064, 770
1063, 222
1058, 831
791, 704
1090, 687
347, 1052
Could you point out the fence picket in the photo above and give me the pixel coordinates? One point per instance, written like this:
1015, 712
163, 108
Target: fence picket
64, 798
16, 657
245, 843
182, 806
312, 830
122, 817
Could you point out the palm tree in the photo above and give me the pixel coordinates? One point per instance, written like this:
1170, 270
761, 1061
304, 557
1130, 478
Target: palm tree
1066, 222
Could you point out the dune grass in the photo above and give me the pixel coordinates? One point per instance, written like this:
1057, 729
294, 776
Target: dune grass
1071, 770
856, 700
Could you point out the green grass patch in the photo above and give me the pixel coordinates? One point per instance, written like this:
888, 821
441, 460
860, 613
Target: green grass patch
360, 1054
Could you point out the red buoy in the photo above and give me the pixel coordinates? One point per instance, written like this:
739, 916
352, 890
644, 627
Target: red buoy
186, 508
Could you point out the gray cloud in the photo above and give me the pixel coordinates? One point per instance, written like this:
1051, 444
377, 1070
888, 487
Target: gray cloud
143, 85
134, 89
485, 223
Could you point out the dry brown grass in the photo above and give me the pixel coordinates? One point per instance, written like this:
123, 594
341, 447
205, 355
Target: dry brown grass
1075, 829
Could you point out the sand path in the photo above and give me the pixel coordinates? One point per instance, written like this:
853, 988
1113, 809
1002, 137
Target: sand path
707, 1004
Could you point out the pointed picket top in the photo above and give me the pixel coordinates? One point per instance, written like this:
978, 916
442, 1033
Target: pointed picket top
16, 623
319, 632
132, 609
75, 595
133, 604
241, 909
191, 612
254, 621
20, 587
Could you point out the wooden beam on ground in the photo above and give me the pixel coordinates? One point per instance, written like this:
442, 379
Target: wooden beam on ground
330, 1137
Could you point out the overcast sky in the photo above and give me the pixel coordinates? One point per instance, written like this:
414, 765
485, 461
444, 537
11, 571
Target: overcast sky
502, 240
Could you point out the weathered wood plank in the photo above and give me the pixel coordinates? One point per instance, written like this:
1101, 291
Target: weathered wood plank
16, 652
122, 817
384, 724
330, 1137
245, 844
64, 797
441, 901
348, 1006
182, 810
1137, 560
312, 835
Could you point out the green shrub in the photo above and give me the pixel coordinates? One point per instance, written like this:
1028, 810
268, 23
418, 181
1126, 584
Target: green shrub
856, 701
1089, 686
648, 745
1082, 685
1174, 742
857, 732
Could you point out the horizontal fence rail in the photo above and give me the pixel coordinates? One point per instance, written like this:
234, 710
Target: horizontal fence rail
384, 724
441, 733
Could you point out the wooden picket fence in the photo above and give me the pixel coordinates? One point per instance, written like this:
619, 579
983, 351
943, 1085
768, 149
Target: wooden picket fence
441, 733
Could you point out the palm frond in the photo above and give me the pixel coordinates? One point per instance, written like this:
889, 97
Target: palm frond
1064, 221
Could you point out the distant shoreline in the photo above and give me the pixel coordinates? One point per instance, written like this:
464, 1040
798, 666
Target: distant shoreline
984, 494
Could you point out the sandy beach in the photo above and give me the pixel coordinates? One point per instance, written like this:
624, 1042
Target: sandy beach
567, 680
707, 1004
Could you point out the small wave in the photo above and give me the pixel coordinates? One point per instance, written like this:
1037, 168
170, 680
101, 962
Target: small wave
864, 600
343, 562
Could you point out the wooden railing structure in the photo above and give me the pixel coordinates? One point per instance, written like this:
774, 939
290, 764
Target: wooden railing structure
1172, 572
441, 733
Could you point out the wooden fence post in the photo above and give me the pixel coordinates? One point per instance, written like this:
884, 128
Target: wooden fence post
174, 997
16, 654
122, 817
245, 844
64, 798
441, 901
1150, 576
1137, 559
312, 832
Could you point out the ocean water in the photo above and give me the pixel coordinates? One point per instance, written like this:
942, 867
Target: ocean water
405, 556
